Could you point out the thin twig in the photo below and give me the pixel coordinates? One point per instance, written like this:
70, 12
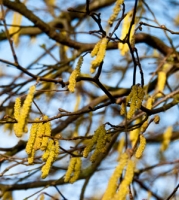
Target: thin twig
174, 191
60, 193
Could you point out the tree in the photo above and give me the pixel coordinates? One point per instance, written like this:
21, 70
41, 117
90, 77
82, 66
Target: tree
94, 85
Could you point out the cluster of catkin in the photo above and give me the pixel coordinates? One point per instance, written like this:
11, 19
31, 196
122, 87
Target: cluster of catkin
125, 30
99, 51
135, 99
73, 171
50, 155
137, 132
134, 135
98, 142
21, 113
40, 140
117, 191
40, 133
126, 167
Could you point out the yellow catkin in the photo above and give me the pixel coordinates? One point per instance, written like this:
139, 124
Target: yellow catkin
77, 170
129, 172
162, 76
74, 75
88, 148
116, 11
52, 153
46, 135
156, 119
144, 126
176, 99
47, 151
7, 195
78, 100
57, 149
132, 36
25, 111
93, 141
149, 103
31, 140
113, 182
25, 129
140, 96
31, 157
134, 134
166, 138
70, 169
9, 128
42, 197
123, 189
123, 108
126, 24
125, 29
17, 108
100, 146
52, 2
161, 82
95, 50
46, 169
141, 147
40, 133
135, 99
17, 18
100, 55
132, 97
51, 158
120, 146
